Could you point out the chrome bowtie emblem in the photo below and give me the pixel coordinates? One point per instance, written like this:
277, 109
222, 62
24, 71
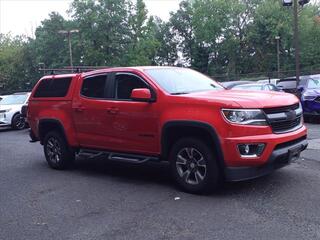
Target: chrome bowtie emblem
291, 115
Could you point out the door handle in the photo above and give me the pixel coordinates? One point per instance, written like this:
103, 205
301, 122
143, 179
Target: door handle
112, 110
79, 108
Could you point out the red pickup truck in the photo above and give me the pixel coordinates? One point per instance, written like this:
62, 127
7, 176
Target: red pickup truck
138, 114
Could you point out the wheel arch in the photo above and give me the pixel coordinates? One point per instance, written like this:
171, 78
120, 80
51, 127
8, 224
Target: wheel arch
13, 115
174, 130
48, 125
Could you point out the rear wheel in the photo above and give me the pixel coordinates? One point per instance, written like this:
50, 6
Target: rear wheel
18, 122
194, 166
57, 152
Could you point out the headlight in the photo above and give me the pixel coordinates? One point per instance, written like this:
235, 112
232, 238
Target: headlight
245, 117
308, 97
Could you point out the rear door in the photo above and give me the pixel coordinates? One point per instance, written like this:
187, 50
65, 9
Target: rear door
91, 107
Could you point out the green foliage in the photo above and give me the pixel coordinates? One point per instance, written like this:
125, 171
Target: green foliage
17, 66
229, 38
310, 37
50, 46
104, 29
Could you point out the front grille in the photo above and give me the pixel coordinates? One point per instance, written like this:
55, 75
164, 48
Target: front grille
284, 119
281, 109
284, 126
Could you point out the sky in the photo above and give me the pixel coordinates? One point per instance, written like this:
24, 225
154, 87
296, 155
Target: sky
21, 17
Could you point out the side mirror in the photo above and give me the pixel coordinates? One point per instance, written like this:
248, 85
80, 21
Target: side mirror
141, 95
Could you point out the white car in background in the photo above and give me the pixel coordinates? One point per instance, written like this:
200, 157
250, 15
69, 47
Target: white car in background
10, 110
2, 97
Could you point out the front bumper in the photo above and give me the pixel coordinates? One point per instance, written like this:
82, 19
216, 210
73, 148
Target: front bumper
5, 119
4, 123
280, 157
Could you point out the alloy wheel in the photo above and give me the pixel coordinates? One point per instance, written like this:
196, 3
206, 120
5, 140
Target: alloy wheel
53, 149
20, 123
191, 165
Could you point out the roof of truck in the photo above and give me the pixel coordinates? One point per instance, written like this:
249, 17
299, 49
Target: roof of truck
138, 68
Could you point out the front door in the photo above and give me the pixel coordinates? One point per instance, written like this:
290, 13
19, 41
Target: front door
135, 124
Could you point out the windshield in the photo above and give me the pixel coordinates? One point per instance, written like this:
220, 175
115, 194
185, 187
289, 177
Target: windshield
182, 80
14, 99
314, 83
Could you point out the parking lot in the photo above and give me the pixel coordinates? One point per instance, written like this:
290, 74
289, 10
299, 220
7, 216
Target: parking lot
99, 199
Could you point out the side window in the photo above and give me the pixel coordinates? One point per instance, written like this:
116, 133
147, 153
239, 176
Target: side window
94, 87
53, 87
125, 83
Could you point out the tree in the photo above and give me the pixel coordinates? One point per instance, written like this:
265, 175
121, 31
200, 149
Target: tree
167, 51
271, 19
141, 50
104, 29
310, 38
17, 64
182, 27
50, 46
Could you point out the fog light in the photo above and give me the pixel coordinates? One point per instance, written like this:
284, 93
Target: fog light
251, 150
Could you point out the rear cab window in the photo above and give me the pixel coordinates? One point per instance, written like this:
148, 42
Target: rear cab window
53, 87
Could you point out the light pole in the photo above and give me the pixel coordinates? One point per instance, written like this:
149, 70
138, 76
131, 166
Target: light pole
295, 4
278, 54
68, 34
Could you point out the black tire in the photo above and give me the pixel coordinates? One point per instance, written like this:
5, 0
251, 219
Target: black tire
204, 175
18, 122
57, 151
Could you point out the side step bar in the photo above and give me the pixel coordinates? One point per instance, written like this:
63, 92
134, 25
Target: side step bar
123, 157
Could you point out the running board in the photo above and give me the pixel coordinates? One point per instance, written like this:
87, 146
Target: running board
123, 157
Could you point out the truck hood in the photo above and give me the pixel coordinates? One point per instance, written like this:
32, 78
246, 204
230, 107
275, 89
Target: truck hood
247, 99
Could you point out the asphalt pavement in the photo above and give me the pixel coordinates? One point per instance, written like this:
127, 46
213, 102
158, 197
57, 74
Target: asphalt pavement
100, 199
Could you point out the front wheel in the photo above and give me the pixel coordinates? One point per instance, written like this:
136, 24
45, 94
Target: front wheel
57, 151
194, 166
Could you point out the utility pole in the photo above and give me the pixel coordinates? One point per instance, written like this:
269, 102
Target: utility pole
278, 54
296, 40
68, 34
296, 4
